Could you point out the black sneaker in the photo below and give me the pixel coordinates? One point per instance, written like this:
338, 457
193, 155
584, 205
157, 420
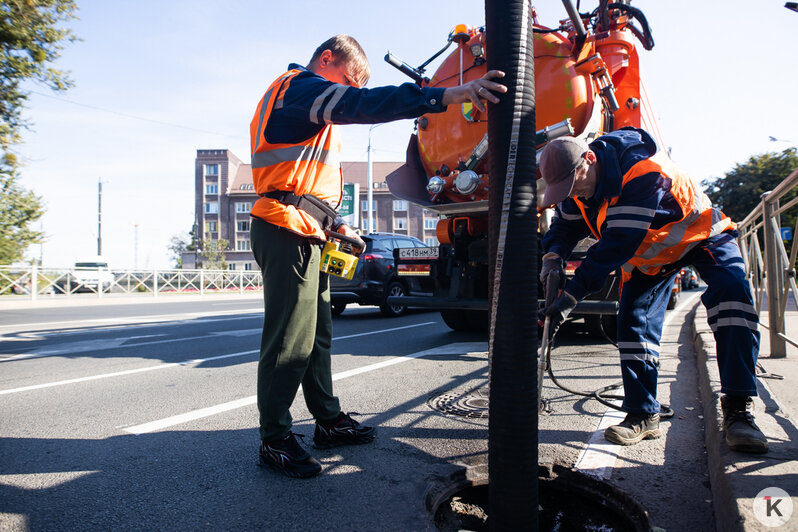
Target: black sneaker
288, 457
344, 431
634, 428
742, 434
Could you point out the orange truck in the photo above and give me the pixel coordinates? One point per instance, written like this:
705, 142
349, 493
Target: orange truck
587, 82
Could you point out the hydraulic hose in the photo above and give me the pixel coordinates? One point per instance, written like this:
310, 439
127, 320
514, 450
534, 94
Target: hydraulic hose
513, 419
599, 395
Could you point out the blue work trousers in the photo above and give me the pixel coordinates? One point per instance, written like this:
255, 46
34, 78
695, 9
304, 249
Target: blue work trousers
730, 313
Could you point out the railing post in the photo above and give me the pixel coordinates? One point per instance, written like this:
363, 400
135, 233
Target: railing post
202, 282
775, 274
34, 281
155, 283
241, 282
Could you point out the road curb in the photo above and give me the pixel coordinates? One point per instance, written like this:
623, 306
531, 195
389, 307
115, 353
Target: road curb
724, 502
736, 478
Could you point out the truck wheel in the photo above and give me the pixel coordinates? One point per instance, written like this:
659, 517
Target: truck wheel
456, 319
604, 322
395, 288
338, 308
478, 320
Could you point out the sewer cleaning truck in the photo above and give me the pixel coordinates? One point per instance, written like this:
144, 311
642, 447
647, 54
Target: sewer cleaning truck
588, 82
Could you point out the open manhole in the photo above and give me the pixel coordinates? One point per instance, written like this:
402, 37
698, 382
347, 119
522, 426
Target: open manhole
568, 500
473, 404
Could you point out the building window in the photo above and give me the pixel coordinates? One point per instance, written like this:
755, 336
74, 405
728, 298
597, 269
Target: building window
373, 223
365, 205
430, 223
400, 223
399, 205
242, 226
431, 241
231, 266
212, 207
242, 245
247, 186
243, 206
248, 266
210, 227
212, 169
211, 189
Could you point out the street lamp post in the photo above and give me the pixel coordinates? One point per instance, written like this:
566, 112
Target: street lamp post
370, 185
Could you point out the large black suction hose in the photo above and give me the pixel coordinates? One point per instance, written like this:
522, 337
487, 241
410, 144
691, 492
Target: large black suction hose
513, 419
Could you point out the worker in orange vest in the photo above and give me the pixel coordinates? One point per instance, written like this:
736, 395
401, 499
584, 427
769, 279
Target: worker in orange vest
296, 147
650, 221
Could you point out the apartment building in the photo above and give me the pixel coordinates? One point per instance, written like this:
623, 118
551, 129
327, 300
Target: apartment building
224, 194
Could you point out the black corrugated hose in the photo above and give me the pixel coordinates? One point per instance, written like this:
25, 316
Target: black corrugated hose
513, 419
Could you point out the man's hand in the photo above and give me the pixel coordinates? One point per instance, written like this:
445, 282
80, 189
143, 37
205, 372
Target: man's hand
552, 276
348, 231
559, 310
476, 90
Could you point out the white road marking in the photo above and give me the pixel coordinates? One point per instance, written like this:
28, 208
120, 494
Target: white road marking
599, 456
174, 364
133, 319
113, 343
124, 372
152, 426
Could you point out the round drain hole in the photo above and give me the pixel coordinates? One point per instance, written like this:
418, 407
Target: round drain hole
473, 404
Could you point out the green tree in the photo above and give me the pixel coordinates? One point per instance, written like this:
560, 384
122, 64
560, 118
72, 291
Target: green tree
179, 244
31, 39
212, 254
19, 208
740, 190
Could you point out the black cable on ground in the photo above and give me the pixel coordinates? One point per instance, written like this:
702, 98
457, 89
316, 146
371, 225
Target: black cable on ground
665, 411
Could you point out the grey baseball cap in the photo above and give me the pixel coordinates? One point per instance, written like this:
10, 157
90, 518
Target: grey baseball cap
558, 163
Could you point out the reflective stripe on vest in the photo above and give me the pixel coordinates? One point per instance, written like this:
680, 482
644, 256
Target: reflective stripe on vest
672, 241
309, 167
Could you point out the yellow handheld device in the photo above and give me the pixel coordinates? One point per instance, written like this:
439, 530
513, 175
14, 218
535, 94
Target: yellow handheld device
337, 257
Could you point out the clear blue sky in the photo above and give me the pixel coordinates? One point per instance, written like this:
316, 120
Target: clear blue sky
722, 77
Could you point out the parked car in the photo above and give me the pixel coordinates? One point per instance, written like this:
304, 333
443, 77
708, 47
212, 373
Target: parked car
688, 278
90, 274
675, 291
375, 276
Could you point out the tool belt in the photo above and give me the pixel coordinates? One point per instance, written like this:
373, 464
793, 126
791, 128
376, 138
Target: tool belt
326, 216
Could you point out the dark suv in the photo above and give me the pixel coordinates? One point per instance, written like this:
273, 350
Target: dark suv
375, 276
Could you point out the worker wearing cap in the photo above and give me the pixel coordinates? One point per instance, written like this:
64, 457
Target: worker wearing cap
296, 148
650, 221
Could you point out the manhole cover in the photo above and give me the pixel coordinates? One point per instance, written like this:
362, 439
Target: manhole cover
473, 404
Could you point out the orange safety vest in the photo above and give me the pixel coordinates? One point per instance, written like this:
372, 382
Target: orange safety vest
672, 241
309, 167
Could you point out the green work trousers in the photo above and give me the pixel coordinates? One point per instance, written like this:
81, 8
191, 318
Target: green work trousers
297, 329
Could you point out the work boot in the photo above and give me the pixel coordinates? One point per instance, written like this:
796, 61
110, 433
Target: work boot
288, 457
343, 431
634, 428
742, 434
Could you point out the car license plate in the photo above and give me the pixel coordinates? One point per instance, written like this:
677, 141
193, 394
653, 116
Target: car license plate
418, 253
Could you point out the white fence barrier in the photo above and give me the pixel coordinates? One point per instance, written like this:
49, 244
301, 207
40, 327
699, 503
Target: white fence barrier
32, 282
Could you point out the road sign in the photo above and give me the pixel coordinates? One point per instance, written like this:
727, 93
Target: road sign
348, 208
786, 233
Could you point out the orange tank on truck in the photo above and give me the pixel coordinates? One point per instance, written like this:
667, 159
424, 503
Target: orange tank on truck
588, 81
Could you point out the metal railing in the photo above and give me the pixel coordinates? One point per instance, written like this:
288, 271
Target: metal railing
32, 282
771, 274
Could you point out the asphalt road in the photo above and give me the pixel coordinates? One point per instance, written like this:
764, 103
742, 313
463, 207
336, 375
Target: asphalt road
143, 417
